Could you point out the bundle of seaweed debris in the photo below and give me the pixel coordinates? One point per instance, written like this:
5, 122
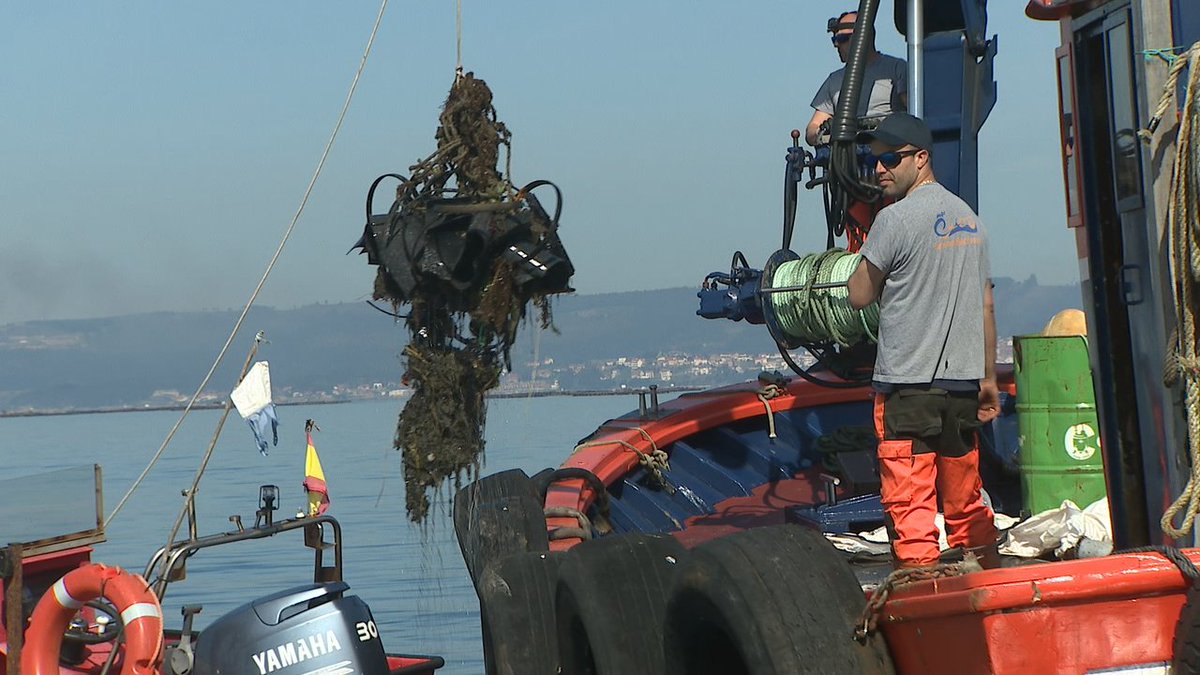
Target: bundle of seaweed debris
467, 253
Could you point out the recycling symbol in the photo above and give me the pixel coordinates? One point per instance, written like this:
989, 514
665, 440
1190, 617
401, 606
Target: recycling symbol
1080, 441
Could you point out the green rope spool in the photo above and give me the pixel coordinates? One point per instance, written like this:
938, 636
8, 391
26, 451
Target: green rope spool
820, 313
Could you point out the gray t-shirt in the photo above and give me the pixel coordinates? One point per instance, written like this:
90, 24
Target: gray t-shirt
933, 252
885, 79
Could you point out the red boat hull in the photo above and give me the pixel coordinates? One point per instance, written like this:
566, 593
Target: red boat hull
1063, 618
1054, 618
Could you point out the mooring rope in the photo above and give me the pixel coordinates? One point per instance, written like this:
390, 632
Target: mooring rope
869, 619
820, 312
237, 326
765, 394
1183, 235
1174, 556
655, 462
1178, 63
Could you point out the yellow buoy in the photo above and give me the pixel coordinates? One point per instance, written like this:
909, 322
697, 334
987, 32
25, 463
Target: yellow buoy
1067, 322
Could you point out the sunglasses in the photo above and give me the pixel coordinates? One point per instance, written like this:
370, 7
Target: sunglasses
891, 160
840, 39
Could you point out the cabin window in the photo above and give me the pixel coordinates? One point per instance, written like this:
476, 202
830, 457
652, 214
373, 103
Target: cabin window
1066, 104
1126, 149
1104, 114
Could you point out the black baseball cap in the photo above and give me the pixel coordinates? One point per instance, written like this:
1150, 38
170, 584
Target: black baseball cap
900, 129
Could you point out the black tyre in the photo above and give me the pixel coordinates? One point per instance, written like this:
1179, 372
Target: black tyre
497, 516
516, 607
768, 601
612, 594
1186, 648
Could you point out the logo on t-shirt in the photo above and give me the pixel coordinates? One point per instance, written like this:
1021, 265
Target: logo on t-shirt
942, 228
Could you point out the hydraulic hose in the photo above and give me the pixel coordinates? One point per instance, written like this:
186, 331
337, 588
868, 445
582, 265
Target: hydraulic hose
845, 113
847, 182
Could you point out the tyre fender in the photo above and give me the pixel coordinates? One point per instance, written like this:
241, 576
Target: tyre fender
1185, 659
609, 606
497, 516
516, 608
768, 601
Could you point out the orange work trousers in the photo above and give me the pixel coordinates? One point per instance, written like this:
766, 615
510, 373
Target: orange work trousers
929, 448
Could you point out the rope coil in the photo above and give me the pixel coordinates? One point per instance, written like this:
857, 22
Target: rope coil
820, 313
1183, 236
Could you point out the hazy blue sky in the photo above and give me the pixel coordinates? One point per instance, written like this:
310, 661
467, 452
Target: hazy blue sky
153, 153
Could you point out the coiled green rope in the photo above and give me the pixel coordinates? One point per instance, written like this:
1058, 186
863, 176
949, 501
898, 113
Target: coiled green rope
823, 314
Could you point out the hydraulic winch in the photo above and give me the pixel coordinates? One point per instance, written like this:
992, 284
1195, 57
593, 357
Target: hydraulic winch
804, 300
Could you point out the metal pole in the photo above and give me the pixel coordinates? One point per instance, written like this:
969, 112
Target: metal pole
189, 506
916, 57
815, 287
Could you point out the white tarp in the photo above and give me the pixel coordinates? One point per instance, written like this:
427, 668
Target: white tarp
253, 393
1059, 530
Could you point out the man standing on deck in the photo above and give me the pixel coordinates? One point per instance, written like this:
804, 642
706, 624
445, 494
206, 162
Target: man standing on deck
885, 81
926, 261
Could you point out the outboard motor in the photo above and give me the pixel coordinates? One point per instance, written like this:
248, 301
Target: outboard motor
315, 626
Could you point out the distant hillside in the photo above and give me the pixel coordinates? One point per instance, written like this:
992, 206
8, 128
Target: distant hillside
123, 361
1024, 307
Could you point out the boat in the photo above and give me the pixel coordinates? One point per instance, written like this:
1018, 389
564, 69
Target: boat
81, 616
691, 535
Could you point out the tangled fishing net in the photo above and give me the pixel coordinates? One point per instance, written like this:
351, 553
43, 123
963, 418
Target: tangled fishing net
467, 254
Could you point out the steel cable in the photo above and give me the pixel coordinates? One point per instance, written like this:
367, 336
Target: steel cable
266, 273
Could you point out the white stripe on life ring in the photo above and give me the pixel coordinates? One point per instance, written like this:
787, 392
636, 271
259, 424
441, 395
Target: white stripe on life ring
140, 610
64, 597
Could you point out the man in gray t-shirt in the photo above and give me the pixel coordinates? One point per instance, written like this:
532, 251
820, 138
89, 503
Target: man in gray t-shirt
885, 82
926, 262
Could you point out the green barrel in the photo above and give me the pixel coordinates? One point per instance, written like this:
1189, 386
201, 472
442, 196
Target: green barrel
1056, 416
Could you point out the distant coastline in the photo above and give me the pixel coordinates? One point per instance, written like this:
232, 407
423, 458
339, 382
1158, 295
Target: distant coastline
144, 408
214, 406
603, 345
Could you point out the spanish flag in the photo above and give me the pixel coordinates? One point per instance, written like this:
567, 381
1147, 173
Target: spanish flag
314, 477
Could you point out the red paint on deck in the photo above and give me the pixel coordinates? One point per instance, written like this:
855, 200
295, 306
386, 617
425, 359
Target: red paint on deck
761, 508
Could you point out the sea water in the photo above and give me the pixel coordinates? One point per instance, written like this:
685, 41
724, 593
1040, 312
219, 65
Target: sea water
412, 576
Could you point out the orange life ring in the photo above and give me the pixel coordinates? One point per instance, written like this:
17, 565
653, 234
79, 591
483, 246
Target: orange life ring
140, 611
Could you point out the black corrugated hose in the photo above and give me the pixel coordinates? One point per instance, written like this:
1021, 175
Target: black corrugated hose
847, 185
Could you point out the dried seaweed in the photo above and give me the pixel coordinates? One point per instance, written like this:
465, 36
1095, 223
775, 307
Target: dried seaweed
468, 254
440, 429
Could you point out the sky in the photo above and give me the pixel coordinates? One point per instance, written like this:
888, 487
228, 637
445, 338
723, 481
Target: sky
152, 154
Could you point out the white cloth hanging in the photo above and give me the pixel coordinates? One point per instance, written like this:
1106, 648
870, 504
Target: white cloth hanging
253, 393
